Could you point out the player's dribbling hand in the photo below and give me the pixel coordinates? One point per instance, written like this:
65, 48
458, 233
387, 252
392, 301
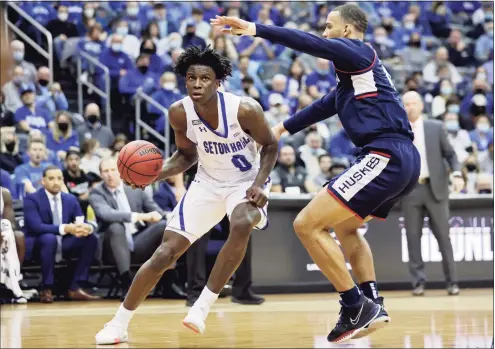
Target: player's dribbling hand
237, 26
134, 186
256, 196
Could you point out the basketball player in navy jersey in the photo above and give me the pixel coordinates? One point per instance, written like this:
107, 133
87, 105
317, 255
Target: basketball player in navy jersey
387, 168
220, 131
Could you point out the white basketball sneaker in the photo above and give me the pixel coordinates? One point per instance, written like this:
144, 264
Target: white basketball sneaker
195, 319
112, 333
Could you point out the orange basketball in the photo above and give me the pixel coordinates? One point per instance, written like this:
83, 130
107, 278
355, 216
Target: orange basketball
139, 162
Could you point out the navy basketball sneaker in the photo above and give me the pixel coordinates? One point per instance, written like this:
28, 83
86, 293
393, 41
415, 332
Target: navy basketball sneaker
354, 319
379, 322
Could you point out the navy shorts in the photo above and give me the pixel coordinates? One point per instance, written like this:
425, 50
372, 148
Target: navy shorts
385, 171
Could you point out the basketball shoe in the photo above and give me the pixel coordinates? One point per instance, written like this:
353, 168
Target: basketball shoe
354, 319
379, 322
113, 333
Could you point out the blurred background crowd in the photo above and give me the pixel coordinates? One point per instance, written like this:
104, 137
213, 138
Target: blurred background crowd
441, 49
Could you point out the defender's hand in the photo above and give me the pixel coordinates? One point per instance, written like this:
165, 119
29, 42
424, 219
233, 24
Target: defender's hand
256, 196
134, 186
278, 130
237, 26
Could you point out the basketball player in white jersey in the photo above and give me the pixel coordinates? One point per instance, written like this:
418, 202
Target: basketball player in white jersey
220, 131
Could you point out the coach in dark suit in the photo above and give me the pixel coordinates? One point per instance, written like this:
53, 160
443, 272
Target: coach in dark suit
431, 195
122, 214
53, 219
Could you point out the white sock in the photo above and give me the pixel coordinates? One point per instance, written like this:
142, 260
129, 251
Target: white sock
124, 316
206, 298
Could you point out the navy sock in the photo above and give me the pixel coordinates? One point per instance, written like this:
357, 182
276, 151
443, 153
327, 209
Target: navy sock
369, 289
351, 297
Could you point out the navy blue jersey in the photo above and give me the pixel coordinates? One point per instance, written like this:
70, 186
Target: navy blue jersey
365, 99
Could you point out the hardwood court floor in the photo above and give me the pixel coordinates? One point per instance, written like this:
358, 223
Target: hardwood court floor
284, 321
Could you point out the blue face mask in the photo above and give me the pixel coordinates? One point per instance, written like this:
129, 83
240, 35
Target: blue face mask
453, 108
452, 125
122, 31
483, 127
116, 47
446, 90
18, 56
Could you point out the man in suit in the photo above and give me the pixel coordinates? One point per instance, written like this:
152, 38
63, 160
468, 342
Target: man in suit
431, 195
121, 214
54, 223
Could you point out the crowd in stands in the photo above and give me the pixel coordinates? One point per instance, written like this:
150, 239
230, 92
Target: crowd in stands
442, 50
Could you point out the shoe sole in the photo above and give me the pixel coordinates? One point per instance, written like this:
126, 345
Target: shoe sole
353, 333
191, 327
376, 324
115, 341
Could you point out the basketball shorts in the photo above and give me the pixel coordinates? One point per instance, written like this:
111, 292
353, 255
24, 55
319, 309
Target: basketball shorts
381, 175
204, 205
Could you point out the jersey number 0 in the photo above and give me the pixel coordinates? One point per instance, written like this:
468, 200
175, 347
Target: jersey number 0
241, 163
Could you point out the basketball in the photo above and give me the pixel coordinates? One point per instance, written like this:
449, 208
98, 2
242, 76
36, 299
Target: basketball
139, 163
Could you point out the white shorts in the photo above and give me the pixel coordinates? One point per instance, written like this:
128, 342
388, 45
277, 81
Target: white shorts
204, 205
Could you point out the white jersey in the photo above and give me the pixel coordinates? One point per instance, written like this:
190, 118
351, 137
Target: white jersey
227, 156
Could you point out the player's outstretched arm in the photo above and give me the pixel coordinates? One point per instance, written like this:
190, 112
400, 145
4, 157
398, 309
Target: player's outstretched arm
317, 111
186, 154
335, 50
253, 122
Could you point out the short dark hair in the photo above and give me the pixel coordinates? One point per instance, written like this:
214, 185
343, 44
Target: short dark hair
354, 15
49, 168
194, 55
326, 155
197, 11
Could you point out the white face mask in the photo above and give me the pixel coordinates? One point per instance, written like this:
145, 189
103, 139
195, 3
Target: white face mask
169, 86
63, 16
89, 12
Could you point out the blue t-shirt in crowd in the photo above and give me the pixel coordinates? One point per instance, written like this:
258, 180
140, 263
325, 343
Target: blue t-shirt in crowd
26, 171
38, 120
61, 144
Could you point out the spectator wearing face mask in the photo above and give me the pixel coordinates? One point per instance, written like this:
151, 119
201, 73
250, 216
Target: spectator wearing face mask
439, 18
202, 28
148, 47
165, 96
10, 156
438, 105
459, 138
31, 116
61, 29
414, 56
129, 42
190, 38
49, 97
482, 135
278, 110
11, 90
484, 44
87, 18
383, 44
471, 170
62, 136
133, 18
93, 128
279, 88
17, 49
322, 80
478, 102
140, 76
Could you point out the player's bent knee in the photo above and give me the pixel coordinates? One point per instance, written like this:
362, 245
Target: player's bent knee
164, 256
303, 226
